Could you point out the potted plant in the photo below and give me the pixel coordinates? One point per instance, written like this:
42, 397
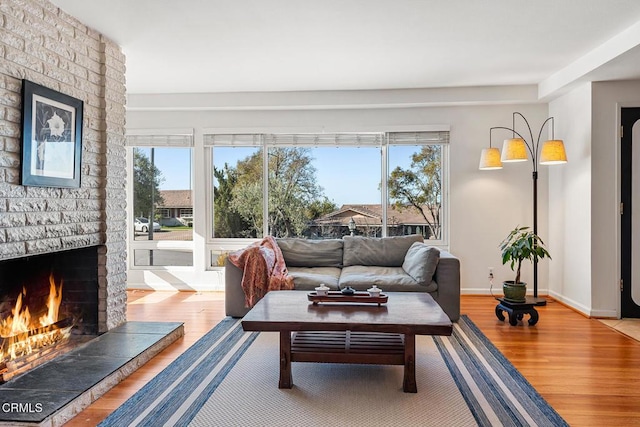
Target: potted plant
520, 244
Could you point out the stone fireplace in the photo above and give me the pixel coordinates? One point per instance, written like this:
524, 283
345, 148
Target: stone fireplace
45, 45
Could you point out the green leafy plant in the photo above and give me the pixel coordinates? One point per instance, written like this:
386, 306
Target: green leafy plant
521, 244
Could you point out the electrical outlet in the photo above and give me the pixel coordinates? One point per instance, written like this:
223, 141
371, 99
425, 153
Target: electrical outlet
490, 273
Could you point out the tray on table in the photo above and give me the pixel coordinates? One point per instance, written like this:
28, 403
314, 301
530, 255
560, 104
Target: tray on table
357, 297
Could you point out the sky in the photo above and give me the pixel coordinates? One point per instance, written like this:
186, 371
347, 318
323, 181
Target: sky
175, 164
348, 175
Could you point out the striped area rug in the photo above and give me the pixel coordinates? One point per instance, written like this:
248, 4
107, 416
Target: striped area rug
230, 378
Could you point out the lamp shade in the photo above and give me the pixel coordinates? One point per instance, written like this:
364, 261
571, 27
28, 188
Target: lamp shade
490, 159
553, 153
514, 150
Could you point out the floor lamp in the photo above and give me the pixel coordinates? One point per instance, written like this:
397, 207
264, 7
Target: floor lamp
515, 149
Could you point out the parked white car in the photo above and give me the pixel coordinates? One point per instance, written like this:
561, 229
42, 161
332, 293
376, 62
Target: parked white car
142, 225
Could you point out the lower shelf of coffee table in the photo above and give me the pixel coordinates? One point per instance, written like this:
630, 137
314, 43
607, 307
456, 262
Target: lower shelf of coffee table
348, 347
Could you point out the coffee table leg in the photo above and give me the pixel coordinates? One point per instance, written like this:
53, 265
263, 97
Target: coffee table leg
285, 360
409, 383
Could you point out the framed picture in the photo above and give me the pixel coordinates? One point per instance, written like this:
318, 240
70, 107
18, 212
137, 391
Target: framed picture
51, 137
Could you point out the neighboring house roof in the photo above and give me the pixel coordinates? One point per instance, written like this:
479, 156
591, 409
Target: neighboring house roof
348, 211
363, 215
176, 199
371, 214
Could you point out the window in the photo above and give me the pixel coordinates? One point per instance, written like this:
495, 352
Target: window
161, 184
313, 191
238, 192
415, 190
185, 212
162, 257
329, 185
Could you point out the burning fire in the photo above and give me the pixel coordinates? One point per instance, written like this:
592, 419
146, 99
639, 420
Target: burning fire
21, 335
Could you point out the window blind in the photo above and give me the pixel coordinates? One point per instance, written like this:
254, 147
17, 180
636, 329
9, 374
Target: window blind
241, 140
159, 140
419, 138
328, 139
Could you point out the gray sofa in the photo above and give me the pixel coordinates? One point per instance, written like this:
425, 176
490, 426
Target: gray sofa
394, 264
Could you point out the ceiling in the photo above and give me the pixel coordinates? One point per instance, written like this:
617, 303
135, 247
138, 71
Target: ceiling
196, 46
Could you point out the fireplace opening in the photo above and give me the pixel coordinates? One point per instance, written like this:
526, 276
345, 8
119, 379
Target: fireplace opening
48, 305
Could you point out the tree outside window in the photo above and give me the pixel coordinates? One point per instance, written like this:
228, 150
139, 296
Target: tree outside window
147, 179
418, 187
294, 200
237, 196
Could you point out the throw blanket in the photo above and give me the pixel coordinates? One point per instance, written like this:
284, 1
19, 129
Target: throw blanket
263, 268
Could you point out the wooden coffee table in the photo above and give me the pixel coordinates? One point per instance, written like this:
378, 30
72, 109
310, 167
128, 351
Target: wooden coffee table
348, 332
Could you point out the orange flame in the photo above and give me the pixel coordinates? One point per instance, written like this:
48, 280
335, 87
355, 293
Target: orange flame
53, 303
17, 330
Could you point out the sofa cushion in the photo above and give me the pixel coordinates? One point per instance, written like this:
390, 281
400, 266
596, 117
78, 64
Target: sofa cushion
421, 261
311, 253
389, 279
308, 278
381, 251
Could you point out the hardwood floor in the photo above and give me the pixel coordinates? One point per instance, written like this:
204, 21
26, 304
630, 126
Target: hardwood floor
587, 371
199, 311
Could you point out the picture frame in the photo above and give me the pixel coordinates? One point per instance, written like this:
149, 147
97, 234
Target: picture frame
51, 137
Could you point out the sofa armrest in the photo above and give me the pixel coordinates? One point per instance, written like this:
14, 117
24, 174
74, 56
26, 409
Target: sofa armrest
447, 277
233, 293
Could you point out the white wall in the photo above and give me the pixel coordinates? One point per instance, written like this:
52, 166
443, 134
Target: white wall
570, 202
608, 99
586, 231
484, 205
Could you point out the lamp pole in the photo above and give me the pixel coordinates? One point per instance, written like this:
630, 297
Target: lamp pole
534, 175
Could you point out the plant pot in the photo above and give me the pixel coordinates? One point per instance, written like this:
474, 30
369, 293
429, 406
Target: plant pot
514, 292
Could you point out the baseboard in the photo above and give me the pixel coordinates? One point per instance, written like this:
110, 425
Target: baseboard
582, 309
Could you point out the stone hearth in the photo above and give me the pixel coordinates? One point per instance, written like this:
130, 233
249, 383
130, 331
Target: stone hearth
52, 394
